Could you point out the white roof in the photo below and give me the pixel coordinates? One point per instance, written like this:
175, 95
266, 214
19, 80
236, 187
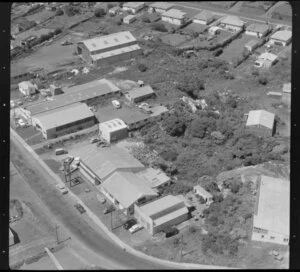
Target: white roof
161, 5
282, 35
261, 117
134, 5
108, 41
26, 84
153, 177
174, 13
233, 20
273, 211
127, 188
64, 115
140, 92
286, 88
128, 17
202, 191
113, 125
267, 56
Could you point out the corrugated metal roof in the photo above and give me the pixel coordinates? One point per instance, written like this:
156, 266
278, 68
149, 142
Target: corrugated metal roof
273, 212
108, 41
142, 91
134, 5
260, 28
161, 5
64, 115
202, 191
261, 117
282, 35
287, 88
267, 56
233, 20
174, 13
170, 216
113, 125
153, 177
127, 188
159, 205
204, 16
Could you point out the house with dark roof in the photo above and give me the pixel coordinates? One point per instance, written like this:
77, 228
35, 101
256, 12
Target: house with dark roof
233, 23
251, 45
203, 18
258, 30
133, 7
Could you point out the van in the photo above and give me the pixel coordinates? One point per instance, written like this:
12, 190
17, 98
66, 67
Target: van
59, 151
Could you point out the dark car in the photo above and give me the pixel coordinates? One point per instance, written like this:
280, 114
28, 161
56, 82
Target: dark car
129, 223
109, 210
79, 208
169, 232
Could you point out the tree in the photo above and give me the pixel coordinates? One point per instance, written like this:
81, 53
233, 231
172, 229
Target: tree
174, 126
263, 80
71, 10
200, 126
145, 19
159, 27
59, 12
142, 67
57, 31
169, 155
100, 12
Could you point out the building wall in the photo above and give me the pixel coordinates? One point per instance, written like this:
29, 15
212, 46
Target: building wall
112, 136
272, 41
137, 124
256, 34
128, 21
138, 99
269, 236
286, 98
261, 131
172, 20
231, 27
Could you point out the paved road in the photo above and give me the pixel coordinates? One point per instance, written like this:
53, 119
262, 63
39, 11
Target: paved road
199, 6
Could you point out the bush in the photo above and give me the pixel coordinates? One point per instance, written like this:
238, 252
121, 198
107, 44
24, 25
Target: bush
57, 31
218, 52
159, 27
191, 85
200, 126
174, 126
100, 12
145, 19
109, 6
169, 155
263, 80
71, 10
59, 12
177, 188
142, 67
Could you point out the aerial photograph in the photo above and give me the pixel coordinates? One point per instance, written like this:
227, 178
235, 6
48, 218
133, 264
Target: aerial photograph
150, 135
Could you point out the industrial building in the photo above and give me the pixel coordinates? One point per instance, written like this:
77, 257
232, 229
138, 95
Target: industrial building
261, 122
232, 23
203, 18
159, 7
271, 222
258, 30
174, 16
124, 189
133, 7
64, 120
161, 213
27, 88
113, 130
281, 37
140, 94
109, 48
266, 60
90, 93
199, 190
286, 94
97, 165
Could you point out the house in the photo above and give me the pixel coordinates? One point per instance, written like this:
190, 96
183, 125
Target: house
232, 23
174, 16
109, 48
63, 120
27, 88
134, 7
114, 10
153, 17
154, 178
203, 18
158, 113
159, 7
271, 221
113, 130
129, 19
162, 213
286, 94
54, 90
258, 30
265, 60
251, 45
98, 165
125, 189
261, 122
281, 37
214, 30
139, 94
199, 190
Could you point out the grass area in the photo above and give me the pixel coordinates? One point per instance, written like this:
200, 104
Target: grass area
219, 4
174, 39
194, 27
283, 12
252, 10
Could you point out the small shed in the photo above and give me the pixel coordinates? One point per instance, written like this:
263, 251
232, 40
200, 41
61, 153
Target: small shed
266, 60
113, 130
27, 88
261, 122
199, 190
129, 19
139, 94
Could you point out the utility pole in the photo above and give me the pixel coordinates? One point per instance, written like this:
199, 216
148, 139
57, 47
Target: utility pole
56, 227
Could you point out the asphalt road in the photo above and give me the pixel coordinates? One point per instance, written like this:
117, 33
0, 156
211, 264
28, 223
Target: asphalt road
38, 180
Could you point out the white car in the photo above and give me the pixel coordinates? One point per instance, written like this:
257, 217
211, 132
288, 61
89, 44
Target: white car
21, 123
62, 189
144, 105
116, 104
135, 228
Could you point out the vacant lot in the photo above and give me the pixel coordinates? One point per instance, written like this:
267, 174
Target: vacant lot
283, 12
174, 39
194, 27
256, 7
219, 4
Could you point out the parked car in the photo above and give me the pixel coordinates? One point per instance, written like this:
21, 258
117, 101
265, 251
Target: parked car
62, 189
60, 151
109, 210
135, 228
101, 199
80, 208
129, 223
169, 232
116, 104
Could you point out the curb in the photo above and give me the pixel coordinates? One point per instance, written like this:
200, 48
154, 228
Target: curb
98, 222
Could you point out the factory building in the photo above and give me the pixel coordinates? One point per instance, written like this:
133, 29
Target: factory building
113, 130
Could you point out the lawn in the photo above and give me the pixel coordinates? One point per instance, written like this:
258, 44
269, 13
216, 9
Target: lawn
194, 27
283, 12
174, 39
219, 4
235, 48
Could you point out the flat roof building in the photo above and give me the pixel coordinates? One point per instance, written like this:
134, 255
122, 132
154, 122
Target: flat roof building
160, 7
266, 60
124, 189
64, 120
174, 16
261, 122
109, 48
271, 222
161, 213
129, 19
281, 37
113, 130
139, 94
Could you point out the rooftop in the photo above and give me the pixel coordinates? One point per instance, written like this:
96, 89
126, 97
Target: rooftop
105, 161
64, 115
260, 28
286, 88
233, 20
252, 43
114, 125
202, 191
204, 16
174, 13
138, 92
158, 110
169, 216
25, 84
134, 4
261, 117
153, 177
127, 188
273, 212
282, 35
267, 56
161, 5
130, 16
108, 41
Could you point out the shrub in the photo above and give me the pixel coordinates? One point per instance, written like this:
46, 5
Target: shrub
159, 27
263, 80
59, 12
200, 126
177, 188
71, 10
218, 52
57, 31
142, 67
169, 155
100, 12
110, 5
191, 85
145, 19
119, 22
174, 126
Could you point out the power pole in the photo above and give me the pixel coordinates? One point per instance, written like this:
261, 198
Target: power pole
56, 227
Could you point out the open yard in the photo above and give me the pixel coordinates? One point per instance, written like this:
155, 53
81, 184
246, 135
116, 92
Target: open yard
219, 4
194, 27
174, 39
283, 12
256, 7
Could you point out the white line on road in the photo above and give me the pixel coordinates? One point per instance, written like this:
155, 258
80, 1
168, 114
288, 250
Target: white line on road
54, 260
